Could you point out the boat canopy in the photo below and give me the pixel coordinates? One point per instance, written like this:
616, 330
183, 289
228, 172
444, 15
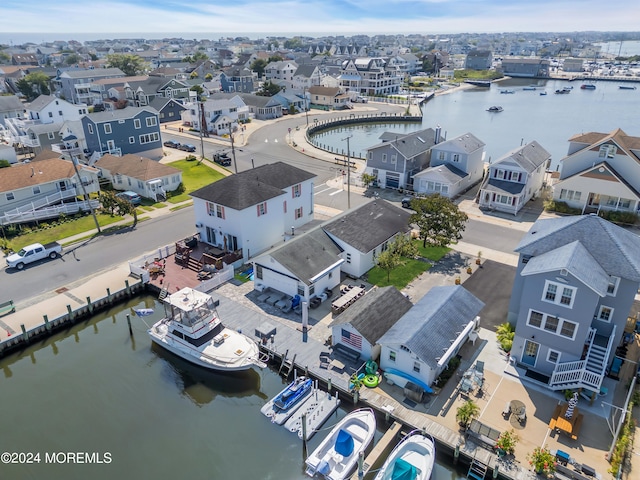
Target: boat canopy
403, 470
344, 443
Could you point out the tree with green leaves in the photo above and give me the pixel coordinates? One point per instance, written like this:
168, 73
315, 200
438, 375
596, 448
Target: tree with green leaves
268, 89
129, 64
439, 220
193, 75
258, 66
208, 77
33, 85
73, 59
388, 260
293, 43
199, 55
274, 58
399, 248
199, 91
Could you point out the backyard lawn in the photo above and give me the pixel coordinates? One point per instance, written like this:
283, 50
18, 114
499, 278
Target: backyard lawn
195, 175
404, 274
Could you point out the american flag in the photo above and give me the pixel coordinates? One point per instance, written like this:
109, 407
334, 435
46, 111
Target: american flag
352, 339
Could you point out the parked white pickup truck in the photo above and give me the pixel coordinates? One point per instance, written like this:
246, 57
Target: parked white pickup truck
32, 253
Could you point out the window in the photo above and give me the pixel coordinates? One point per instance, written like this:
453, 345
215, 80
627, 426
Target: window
570, 195
553, 356
10, 196
392, 356
605, 313
535, 319
59, 113
51, 136
296, 191
551, 324
568, 329
416, 367
348, 258
151, 121
36, 190
149, 138
394, 159
405, 349
612, 289
262, 208
456, 157
298, 213
211, 209
441, 156
607, 151
136, 123
107, 128
220, 211
384, 157
50, 114
259, 272
90, 128
559, 294
132, 139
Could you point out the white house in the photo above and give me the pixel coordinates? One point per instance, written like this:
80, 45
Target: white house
514, 179
360, 326
456, 165
254, 210
421, 343
601, 171
365, 232
146, 177
50, 109
221, 115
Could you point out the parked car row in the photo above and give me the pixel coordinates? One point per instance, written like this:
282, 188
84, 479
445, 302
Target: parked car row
187, 147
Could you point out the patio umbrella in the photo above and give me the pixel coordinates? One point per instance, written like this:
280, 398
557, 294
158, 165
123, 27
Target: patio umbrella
571, 404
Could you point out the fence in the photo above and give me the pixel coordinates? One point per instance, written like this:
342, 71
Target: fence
217, 279
137, 266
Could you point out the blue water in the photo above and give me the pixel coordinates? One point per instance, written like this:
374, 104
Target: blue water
551, 120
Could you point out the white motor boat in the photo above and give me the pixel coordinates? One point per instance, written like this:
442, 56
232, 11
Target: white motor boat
337, 454
412, 459
192, 330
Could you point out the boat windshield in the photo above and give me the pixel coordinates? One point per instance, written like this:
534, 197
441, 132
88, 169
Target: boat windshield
191, 317
206, 338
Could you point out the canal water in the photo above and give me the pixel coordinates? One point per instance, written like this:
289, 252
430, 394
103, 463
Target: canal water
95, 403
549, 119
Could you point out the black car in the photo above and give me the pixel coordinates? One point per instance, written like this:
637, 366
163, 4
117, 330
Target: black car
172, 144
187, 147
406, 202
222, 159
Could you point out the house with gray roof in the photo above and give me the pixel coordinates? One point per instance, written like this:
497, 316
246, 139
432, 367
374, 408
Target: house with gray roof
10, 107
75, 84
420, 344
574, 288
456, 165
237, 79
254, 210
365, 232
360, 326
514, 179
169, 110
262, 108
399, 157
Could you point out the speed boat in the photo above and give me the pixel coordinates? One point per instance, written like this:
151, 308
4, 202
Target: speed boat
295, 391
337, 454
495, 108
412, 459
192, 330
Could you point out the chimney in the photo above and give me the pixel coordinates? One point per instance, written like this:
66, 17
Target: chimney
437, 138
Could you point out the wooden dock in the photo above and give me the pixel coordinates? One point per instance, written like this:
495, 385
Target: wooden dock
377, 456
317, 408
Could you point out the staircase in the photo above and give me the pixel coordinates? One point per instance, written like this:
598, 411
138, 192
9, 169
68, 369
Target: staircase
589, 372
477, 470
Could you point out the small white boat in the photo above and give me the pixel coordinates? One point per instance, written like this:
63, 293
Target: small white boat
337, 454
507, 91
412, 459
192, 330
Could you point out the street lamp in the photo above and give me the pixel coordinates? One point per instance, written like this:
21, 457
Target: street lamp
306, 104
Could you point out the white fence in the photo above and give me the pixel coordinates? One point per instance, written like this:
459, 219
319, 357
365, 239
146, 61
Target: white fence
218, 278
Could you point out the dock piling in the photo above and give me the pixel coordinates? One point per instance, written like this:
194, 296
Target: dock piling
303, 420
129, 323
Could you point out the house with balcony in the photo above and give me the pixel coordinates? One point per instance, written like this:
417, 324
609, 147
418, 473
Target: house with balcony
600, 172
146, 177
575, 284
307, 76
10, 107
103, 88
75, 84
133, 130
514, 179
142, 92
281, 72
45, 189
456, 165
396, 160
423, 340
370, 76
237, 79
254, 210
221, 115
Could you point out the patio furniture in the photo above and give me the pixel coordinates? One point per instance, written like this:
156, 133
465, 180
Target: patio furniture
506, 413
519, 411
480, 367
561, 424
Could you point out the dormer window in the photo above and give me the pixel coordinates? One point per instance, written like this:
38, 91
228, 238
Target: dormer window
607, 151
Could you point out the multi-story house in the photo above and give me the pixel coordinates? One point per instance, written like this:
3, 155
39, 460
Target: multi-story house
396, 160
45, 189
600, 172
331, 98
575, 284
220, 114
255, 209
142, 92
75, 85
237, 79
455, 166
102, 87
281, 72
307, 76
514, 179
525, 67
478, 60
370, 76
130, 130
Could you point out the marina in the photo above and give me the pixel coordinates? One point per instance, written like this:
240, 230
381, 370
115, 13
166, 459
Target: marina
314, 412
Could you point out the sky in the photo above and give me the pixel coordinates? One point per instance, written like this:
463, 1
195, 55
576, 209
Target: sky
312, 17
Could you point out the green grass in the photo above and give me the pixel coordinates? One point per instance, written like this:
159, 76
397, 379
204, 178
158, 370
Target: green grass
432, 253
399, 277
241, 278
195, 175
64, 230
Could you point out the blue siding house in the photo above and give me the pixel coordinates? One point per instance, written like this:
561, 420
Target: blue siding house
134, 130
575, 284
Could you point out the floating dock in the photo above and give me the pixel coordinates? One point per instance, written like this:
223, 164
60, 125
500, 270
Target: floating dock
317, 408
279, 416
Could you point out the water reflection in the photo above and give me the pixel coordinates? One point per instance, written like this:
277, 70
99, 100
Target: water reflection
202, 386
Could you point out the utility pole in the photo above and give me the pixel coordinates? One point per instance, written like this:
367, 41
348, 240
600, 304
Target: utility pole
348, 173
74, 161
306, 103
233, 150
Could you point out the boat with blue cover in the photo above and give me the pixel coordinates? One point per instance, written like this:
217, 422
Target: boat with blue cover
412, 459
293, 393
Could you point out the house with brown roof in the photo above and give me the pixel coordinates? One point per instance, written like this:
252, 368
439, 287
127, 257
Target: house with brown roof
142, 175
44, 189
328, 97
600, 172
